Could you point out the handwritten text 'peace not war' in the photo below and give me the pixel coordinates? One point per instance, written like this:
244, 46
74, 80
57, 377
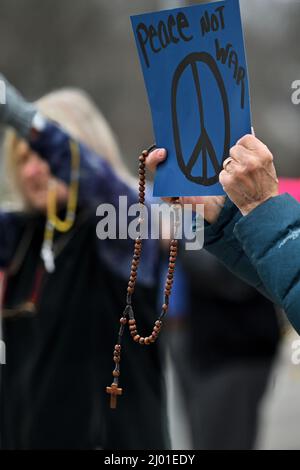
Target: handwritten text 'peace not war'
175, 29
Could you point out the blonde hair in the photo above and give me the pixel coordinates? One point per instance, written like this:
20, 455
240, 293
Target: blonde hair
74, 110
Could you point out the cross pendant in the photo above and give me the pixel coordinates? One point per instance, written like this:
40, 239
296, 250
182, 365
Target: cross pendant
114, 391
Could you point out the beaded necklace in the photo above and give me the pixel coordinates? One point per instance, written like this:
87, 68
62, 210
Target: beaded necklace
53, 221
128, 317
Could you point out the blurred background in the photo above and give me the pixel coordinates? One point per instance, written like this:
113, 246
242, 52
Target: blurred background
89, 44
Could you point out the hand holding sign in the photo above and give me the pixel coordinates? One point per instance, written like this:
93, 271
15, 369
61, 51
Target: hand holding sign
194, 67
249, 178
212, 204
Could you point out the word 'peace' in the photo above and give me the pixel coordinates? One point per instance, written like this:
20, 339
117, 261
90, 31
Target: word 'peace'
163, 35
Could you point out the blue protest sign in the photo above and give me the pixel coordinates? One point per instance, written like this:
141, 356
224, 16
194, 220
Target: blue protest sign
195, 70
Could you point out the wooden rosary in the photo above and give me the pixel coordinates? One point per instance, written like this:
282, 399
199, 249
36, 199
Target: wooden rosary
128, 314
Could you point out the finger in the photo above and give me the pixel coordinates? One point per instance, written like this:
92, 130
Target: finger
155, 158
250, 142
239, 155
225, 180
228, 164
228, 183
168, 200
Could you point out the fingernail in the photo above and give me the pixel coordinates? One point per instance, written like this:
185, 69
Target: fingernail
162, 153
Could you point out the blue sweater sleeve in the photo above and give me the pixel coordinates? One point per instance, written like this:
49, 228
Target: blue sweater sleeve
220, 240
270, 237
98, 181
99, 184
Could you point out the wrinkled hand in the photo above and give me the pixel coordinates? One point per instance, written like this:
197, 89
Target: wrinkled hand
212, 204
249, 176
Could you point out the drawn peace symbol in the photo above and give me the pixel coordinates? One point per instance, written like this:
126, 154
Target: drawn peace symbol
204, 146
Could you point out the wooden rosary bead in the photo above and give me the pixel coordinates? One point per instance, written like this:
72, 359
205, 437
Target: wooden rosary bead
114, 389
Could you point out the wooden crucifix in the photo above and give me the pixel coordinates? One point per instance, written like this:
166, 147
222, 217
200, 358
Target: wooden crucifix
114, 391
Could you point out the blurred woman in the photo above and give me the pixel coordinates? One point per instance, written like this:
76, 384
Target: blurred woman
65, 288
